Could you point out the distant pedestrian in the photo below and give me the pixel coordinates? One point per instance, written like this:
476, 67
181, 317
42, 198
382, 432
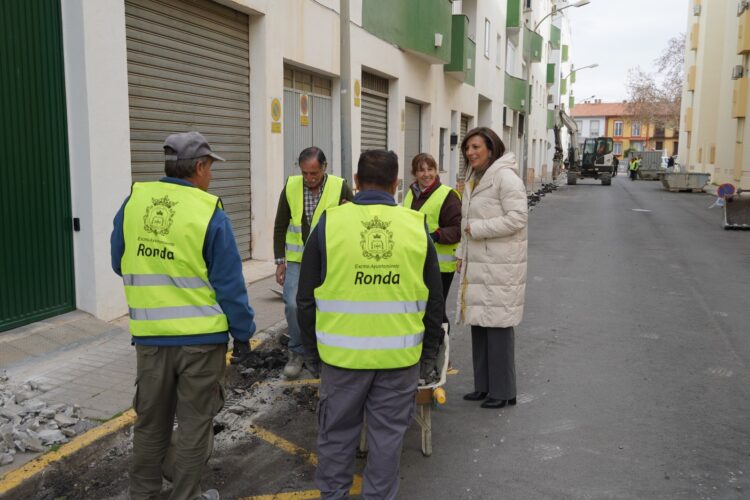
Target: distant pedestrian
173, 245
302, 201
442, 206
492, 264
370, 305
615, 165
633, 167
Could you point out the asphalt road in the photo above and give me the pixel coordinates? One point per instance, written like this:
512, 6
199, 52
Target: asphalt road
633, 360
633, 374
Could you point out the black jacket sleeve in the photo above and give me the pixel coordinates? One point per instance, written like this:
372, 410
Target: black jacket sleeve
433, 317
346, 192
283, 214
310, 277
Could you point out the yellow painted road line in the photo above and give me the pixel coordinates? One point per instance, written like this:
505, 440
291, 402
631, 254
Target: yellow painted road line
291, 383
284, 445
356, 489
291, 448
452, 371
17, 476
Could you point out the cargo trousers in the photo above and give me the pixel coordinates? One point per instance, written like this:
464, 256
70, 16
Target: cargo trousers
387, 398
181, 381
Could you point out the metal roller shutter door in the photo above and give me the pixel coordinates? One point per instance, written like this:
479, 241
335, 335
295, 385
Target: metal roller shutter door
464, 127
374, 121
188, 69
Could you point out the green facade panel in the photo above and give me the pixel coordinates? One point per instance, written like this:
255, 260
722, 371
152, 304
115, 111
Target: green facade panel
36, 254
554, 37
411, 25
550, 119
564, 86
463, 50
565, 53
551, 72
532, 45
572, 77
515, 93
513, 12
571, 102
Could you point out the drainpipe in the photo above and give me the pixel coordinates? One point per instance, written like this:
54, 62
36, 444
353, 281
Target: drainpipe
346, 98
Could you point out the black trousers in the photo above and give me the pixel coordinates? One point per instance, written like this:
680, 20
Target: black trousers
447, 281
493, 353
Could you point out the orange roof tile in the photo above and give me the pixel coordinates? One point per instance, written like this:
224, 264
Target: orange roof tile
599, 109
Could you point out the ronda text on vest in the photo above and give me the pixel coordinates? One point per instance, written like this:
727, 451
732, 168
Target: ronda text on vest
144, 251
377, 279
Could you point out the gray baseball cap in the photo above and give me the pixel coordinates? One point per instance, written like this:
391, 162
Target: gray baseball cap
188, 145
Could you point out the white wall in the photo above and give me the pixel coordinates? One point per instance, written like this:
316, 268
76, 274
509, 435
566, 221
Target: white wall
99, 141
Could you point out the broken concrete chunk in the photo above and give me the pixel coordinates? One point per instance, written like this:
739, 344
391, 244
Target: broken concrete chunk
64, 420
51, 436
6, 458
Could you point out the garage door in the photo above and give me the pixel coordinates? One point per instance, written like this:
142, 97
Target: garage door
374, 112
318, 130
188, 69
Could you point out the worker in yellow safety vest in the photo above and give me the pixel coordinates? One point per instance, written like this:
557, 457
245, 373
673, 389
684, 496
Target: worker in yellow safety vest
442, 206
173, 245
302, 200
370, 307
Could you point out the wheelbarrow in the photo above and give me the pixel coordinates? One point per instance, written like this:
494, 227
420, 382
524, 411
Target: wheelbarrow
426, 397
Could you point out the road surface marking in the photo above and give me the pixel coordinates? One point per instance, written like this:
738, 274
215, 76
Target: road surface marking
292, 449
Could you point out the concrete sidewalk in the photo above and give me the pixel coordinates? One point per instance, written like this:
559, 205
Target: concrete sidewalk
80, 360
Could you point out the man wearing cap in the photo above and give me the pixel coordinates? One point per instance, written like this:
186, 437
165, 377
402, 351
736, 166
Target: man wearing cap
302, 200
173, 245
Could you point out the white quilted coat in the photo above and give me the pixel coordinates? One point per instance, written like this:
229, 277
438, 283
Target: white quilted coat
493, 273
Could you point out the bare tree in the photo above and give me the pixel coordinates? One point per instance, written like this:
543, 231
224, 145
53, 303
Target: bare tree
656, 97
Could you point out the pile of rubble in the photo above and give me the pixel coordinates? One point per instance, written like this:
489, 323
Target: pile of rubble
535, 198
28, 424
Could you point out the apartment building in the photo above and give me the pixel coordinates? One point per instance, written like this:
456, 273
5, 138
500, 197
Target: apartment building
96, 85
715, 94
615, 121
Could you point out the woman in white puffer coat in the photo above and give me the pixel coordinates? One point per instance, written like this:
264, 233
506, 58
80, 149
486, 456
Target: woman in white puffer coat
492, 264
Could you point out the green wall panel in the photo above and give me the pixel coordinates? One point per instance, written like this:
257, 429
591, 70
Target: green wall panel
564, 86
36, 262
551, 72
532, 45
411, 24
554, 37
463, 50
565, 50
571, 102
515, 93
550, 119
513, 19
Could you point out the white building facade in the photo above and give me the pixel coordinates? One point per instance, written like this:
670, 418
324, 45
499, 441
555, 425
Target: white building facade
261, 80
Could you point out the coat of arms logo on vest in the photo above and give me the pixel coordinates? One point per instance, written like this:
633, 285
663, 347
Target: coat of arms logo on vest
158, 218
377, 242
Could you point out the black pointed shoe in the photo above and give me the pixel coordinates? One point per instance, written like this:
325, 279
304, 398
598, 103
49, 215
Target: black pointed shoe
498, 403
475, 396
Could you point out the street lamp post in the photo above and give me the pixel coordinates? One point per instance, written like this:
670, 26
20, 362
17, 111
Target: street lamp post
525, 149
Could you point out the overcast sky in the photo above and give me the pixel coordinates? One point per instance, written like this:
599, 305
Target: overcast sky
620, 34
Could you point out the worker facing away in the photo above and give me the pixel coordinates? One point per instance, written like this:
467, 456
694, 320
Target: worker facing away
173, 245
302, 200
370, 308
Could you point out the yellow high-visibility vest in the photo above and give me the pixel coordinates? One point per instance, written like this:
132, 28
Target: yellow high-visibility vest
431, 208
165, 274
330, 197
371, 305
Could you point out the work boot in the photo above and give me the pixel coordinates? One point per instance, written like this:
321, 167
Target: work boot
294, 365
209, 495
